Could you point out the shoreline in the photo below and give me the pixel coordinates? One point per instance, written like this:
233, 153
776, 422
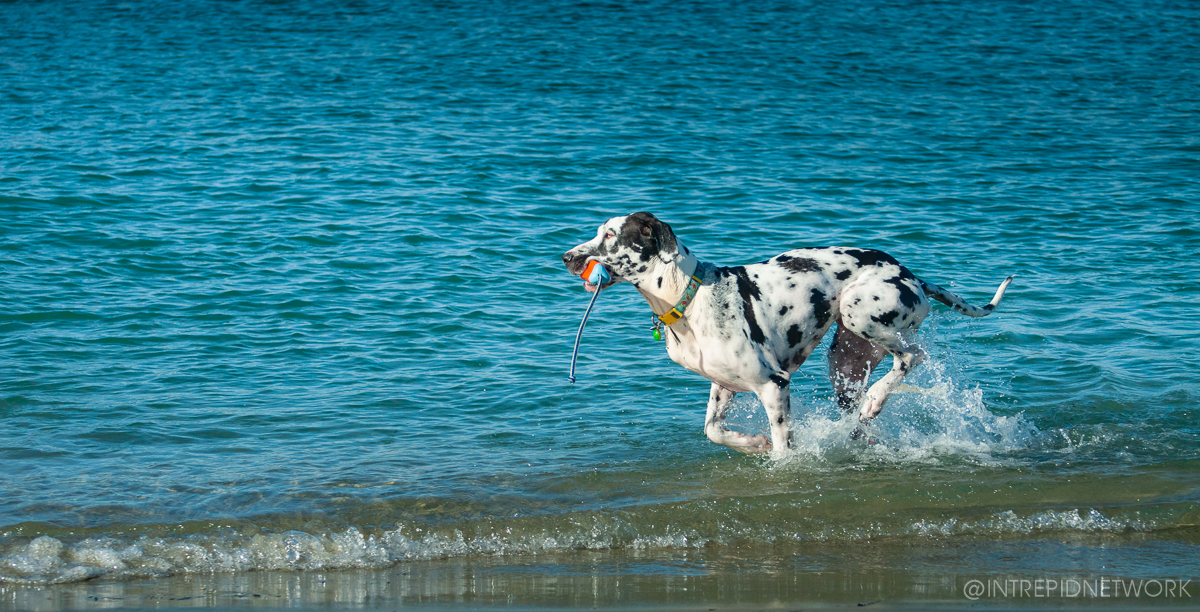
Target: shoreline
881, 575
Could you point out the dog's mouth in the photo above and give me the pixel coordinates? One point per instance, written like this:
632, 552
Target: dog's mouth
591, 287
580, 269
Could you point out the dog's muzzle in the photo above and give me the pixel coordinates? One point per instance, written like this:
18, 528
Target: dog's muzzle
575, 263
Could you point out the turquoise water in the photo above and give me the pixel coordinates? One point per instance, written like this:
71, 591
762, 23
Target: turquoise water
282, 289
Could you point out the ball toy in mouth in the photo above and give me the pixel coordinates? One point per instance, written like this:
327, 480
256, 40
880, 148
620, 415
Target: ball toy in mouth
595, 274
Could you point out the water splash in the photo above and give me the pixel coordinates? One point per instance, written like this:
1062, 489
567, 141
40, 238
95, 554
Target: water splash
932, 418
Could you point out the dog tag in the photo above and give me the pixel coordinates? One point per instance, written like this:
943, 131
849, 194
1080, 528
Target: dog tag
654, 320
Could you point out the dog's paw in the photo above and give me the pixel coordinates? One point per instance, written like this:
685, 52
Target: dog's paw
870, 409
754, 445
761, 442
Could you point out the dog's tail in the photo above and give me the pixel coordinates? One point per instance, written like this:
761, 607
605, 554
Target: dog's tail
961, 305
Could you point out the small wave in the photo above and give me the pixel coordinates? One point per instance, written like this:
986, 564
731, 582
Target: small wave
1009, 523
45, 560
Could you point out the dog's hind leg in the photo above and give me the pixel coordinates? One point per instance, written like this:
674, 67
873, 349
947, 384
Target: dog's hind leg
905, 358
886, 313
719, 400
851, 361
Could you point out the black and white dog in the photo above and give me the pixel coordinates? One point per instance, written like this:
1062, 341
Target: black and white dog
747, 328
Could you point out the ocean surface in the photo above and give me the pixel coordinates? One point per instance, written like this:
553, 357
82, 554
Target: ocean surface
281, 289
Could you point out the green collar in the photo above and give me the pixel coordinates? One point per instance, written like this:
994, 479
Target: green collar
689, 294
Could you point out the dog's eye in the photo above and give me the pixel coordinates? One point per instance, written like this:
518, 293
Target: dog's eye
609, 235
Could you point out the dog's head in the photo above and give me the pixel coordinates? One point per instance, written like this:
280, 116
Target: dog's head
628, 246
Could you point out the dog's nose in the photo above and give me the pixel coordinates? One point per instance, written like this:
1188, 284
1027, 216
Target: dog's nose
571, 261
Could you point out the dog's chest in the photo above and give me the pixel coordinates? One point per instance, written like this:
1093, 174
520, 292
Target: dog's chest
696, 344
719, 362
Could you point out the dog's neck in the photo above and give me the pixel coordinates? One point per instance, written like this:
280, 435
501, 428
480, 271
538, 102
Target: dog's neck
675, 275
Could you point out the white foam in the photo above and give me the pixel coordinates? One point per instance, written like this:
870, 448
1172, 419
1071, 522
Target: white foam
1008, 522
46, 560
42, 562
40, 556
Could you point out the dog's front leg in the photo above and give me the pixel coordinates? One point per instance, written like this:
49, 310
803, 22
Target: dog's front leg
778, 403
719, 400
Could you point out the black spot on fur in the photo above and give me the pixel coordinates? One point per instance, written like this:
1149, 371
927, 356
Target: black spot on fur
756, 332
749, 292
843, 275
886, 318
800, 264
660, 282
779, 380
747, 289
871, 257
820, 304
642, 233
873, 297
797, 359
794, 335
783, 310
908, 297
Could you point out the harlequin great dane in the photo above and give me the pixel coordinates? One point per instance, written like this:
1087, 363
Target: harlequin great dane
747, 328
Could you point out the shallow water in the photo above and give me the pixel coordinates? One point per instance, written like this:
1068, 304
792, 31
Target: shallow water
282, 285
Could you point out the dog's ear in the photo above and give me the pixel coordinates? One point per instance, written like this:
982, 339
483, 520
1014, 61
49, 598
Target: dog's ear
657, 237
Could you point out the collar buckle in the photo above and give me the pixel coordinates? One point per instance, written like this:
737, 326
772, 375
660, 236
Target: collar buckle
676, 313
